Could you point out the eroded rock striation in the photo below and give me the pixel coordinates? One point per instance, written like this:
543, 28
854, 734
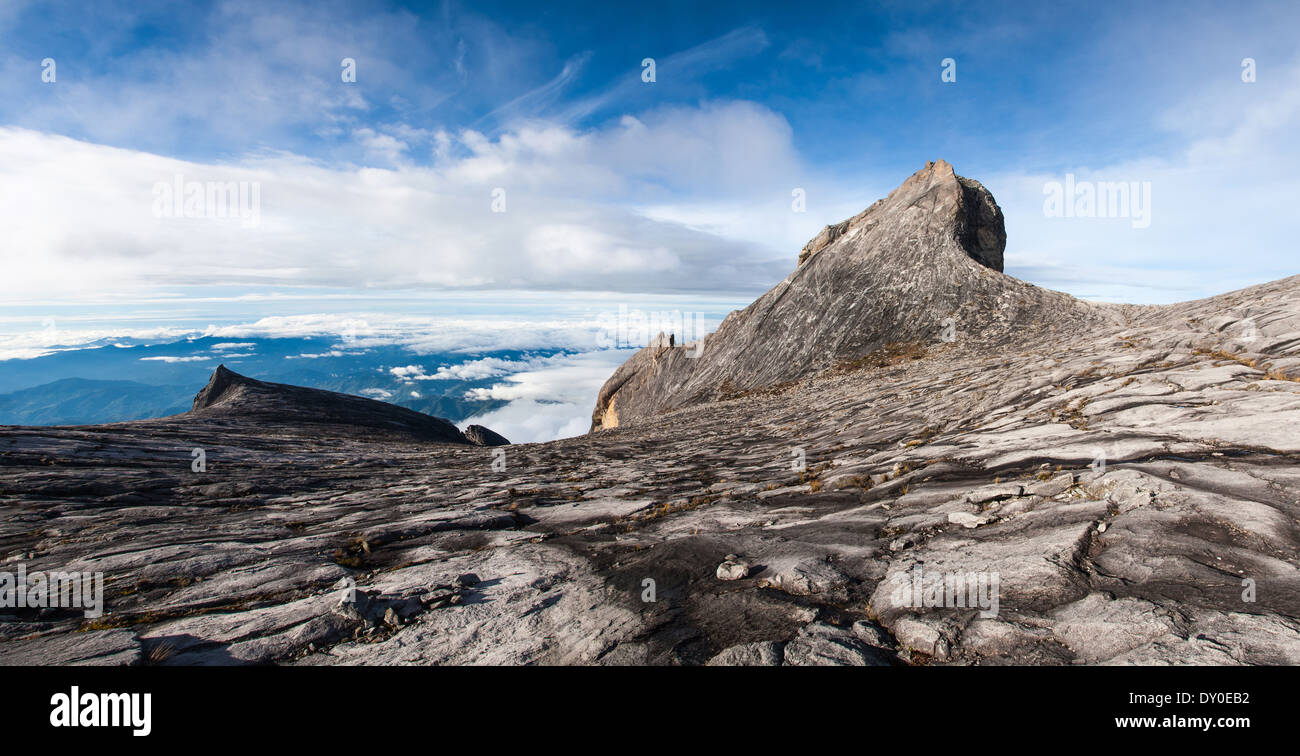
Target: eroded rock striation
1103, 484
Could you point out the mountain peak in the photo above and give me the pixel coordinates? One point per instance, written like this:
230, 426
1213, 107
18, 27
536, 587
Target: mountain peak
976, 218
920, 267
229, 393
222, 380
481, 436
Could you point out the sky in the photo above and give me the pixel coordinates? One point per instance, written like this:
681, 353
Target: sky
390, 156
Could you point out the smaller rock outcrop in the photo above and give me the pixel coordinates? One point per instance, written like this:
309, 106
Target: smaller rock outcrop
328, 412
480, 436
222, 380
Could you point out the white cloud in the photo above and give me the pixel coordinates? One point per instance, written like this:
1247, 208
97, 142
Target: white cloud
1222, 207
176, 359
409, 372
387, 148
487, 367
551, 321
693, 198
258, 74
526, 421
553, 401
577, 212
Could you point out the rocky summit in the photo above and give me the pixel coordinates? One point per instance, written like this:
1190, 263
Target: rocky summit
914, 268
898, 455
233, 398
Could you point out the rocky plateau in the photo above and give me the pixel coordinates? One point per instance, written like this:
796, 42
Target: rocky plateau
896, 407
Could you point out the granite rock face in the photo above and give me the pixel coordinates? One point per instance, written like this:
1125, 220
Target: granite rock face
1061, 483
233, 396
921, 265
480, 436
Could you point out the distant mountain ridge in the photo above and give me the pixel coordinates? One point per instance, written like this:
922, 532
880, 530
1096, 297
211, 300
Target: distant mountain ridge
233, 395
156, 380
80, 401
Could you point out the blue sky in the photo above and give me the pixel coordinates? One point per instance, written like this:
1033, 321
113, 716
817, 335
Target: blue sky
857, 82
381, 190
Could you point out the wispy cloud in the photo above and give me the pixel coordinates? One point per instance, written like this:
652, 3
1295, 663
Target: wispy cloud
538, 100
678, 70
1222, 214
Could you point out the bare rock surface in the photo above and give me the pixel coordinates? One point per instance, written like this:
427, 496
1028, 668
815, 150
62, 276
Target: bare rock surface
229, 395
481, 436
924, 263
1129, 475
102, 648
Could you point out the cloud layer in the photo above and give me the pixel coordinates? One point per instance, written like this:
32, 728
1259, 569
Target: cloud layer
544, 207
606, 182
553, 400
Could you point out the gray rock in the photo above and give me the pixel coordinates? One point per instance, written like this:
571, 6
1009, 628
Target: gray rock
761, 654
229, 394
480, 436
1182, 550
872, 634
893, 275
730, 570
823, 645
100, 648
806, 578
968, 520
921, 636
